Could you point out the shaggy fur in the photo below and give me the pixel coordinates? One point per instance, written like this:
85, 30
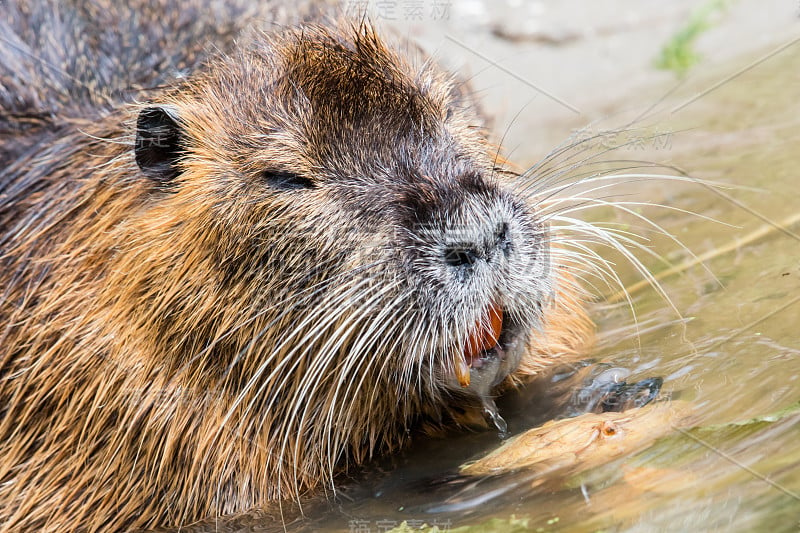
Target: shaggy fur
221, 273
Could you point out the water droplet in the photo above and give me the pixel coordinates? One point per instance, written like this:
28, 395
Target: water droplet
490, 409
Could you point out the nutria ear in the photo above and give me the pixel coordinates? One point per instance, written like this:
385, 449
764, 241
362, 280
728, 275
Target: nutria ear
159, 143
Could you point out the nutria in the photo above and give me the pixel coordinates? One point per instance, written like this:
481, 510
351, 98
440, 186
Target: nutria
233, 263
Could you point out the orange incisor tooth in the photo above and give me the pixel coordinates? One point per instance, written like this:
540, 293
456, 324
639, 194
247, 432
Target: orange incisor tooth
462, 371
484, 337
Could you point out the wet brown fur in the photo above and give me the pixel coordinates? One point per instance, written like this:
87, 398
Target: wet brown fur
132, 318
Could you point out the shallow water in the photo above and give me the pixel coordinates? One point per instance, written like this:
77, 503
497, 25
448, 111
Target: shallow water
728, 343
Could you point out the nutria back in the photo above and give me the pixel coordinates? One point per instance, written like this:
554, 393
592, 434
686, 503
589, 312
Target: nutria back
234, 261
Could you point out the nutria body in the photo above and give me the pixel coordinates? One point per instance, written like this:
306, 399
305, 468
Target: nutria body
226, 275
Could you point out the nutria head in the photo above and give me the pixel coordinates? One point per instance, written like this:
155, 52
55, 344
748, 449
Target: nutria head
345, 207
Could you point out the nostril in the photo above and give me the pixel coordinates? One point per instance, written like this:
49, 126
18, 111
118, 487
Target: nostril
467, 253
502, 240
460, 255
502, 232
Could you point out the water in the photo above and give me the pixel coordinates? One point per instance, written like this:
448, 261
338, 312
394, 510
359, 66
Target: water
493, 414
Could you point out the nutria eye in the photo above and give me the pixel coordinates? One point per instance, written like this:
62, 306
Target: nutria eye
285, 181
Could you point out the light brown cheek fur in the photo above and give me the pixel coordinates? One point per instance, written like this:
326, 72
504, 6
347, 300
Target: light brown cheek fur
567, 332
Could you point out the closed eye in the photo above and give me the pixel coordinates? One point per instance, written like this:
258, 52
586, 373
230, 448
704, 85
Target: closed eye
287, 181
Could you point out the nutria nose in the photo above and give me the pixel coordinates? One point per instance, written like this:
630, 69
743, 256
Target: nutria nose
462, 254
467, 253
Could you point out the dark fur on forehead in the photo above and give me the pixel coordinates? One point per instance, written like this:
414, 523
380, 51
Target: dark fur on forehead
353, 78
423, 200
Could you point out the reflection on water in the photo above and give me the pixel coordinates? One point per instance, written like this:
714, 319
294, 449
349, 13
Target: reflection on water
732, 351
